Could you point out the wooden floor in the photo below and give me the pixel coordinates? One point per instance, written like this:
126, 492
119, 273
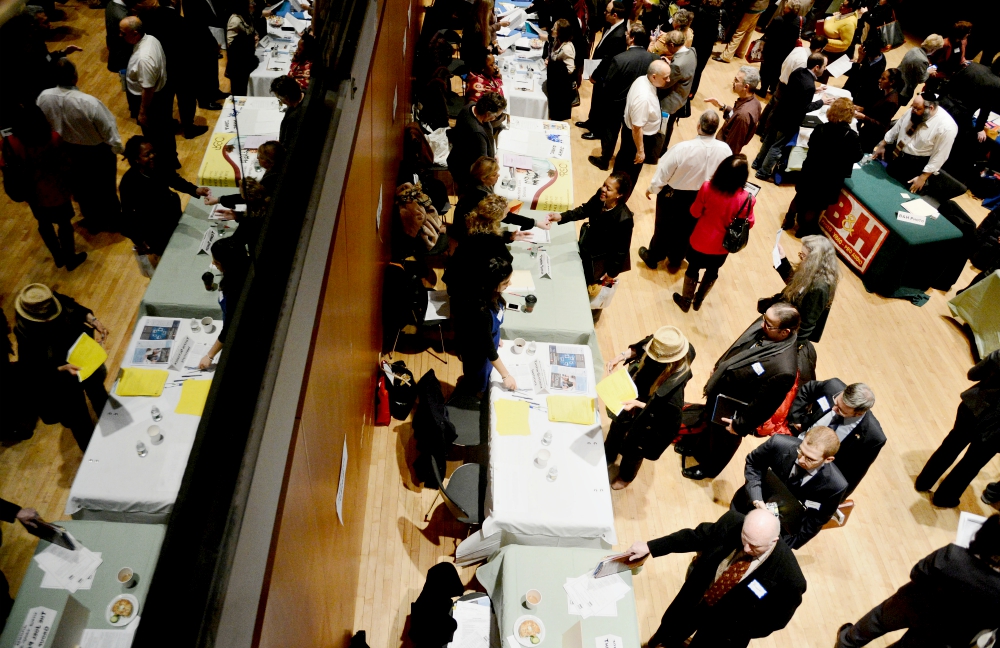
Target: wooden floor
39, 472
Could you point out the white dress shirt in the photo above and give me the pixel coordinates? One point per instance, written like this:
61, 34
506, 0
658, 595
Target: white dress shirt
690, 164
147, 67
80, 118
933, 139
642, 107
796, 59
843, 430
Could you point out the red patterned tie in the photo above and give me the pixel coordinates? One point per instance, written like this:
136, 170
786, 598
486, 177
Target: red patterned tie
728, 580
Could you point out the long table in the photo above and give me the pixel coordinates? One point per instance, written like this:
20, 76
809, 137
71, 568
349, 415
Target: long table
515, 570
274, 52
176, 289
889, 254
548, 184
515, 64
113, 481
120, 545
258, 120
562, 313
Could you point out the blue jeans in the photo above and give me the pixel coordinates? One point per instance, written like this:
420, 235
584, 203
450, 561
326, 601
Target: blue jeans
770, 150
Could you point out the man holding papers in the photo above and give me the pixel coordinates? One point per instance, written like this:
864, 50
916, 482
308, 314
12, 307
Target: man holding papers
48, 327
745, 584
659, 367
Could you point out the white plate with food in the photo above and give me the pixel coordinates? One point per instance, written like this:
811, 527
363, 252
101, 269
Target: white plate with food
276, 21
529, 630
122, 610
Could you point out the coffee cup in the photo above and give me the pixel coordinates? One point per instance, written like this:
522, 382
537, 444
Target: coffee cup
529, 303
519, 345
210, 328
532, 598
542, 458
155, 434
127, 577
206, 321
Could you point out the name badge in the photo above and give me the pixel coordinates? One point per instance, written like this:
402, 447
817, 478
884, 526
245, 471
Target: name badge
758, 368
811, 504
500, 316
757, 588
823, 403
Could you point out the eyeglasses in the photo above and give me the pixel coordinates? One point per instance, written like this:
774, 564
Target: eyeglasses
771, 327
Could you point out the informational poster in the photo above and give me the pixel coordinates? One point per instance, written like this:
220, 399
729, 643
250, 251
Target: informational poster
855, 232
36, 628
548, 183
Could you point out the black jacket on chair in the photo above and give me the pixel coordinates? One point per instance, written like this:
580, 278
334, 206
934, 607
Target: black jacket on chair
740, 615
820, 495
432, 429
858, 450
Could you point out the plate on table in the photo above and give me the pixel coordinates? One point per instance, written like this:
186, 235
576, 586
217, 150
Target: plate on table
276, 21
526, 641
118, 606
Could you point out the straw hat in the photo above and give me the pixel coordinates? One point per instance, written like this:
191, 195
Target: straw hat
668, 345
37, 303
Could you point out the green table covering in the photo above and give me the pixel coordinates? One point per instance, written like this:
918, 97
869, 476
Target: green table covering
562, 313
120, 545
979, 306
888, 253
176, 289
516, 569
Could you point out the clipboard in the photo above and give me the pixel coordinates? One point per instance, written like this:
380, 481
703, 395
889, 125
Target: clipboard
725, 407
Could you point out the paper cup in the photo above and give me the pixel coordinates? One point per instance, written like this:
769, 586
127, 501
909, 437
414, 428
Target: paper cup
155, 434
542, 458
531, 599
127, 577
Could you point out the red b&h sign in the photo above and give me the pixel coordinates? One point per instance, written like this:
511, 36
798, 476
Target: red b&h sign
854, 231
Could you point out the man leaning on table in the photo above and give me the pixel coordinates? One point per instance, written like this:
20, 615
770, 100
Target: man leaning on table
919, 143
745, 584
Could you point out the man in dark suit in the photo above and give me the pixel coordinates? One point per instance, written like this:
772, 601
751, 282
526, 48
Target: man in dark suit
953, 594
623, 70
613, 42
977, 425
847, 410
744, 585
806, 467
796, 101
472, 138
758, 369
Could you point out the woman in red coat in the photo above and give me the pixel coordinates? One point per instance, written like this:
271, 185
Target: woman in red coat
719, 201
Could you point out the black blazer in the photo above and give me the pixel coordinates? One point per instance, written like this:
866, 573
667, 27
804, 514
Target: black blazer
740, 615
470, 140
622, 71
796, 101
605, 243
859, 450
983, 398
608, 49
820, 496
8, 510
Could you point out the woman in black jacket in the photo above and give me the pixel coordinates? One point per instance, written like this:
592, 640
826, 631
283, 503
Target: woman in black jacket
660, 367
230, 257
875, 119
485, 240
833, 150
605, 241
241, 46
486, 173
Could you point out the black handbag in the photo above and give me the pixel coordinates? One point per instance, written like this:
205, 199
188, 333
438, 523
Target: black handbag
892, 34
738, 231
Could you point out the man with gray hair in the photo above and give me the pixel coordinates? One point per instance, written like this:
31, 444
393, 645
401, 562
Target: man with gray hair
743, 116
679, 175
641, 120
914, 66
674, 95
846, 409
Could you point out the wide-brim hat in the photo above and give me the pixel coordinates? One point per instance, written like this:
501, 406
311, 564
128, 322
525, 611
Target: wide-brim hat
36, 303
668, 345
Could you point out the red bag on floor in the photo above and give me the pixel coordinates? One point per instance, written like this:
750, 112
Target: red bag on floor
382, 417
693, 420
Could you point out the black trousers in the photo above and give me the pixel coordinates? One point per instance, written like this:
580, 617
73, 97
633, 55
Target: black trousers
715, 447
681, 621
596, 116
62, 246
73, 408
710, 263
625, 158
612, 124
674, 225
6, 602
904, 609
159, 128
762, 125
94, 185
618, 443
965, 435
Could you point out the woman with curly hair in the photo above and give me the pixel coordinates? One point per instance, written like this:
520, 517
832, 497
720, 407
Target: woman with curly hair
811, 285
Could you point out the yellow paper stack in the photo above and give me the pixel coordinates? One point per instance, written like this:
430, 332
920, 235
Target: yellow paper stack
571, 409
615, 389
194, 393
86, 354
512, 417
141, 382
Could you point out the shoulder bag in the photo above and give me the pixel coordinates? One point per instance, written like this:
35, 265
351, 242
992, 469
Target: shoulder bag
892, 34
738, 230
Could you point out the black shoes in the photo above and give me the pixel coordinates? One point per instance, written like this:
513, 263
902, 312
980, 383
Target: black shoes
191, 132
74, 261
215, 105
590, 136
583, 124
694, 472
598, 162
644, 255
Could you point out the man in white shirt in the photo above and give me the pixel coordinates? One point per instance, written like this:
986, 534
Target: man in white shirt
146, 82
642, 118
90, 136
679, 175
796, 59
921, 142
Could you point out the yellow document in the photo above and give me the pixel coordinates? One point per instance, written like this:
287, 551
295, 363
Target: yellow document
194, 393
86, 354
141, 382
571, 409
615, 389
512, 417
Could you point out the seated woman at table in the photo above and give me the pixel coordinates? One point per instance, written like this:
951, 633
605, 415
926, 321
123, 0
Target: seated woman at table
560, 70
485, 240
606, 239
417, 230
271, 158
477, 317
874, 120
230, 258
302, 60
47, 325
255, 196
660, 367
485, 172
150, 210
833, 149
241, 46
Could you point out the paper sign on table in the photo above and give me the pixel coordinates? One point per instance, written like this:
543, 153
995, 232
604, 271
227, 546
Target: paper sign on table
141, 382
86, 354
609, 641
571, 409
194, 393
512, 417
615, 389
37, 627
516, 161
544, 265
916, 219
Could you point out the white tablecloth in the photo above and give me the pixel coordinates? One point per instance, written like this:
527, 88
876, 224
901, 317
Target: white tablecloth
524, 103
258, 120
114, 483
573, 510
275, 56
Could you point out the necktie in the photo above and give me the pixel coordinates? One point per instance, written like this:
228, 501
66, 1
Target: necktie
796, 476
728, 579
836, 422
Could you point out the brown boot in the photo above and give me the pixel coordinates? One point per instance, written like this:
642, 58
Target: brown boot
684, 301
702, 291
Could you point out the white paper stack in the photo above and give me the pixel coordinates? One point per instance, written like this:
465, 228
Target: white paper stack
588, 596
69, 570
110, 638
473, 625
920, 207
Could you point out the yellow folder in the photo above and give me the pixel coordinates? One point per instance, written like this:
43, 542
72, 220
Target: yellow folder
512, 417
86, 354
194, 393
615, 389
141, 382
571, 409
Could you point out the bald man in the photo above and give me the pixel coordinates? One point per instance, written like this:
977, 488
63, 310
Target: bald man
744, 585
642, 120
